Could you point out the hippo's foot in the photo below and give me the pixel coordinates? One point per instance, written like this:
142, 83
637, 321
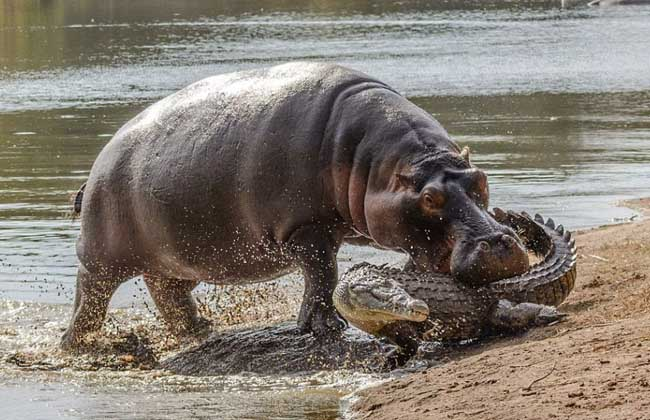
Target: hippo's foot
69, 342
74, 342
321, 323
199, 328
314, 248
93, 294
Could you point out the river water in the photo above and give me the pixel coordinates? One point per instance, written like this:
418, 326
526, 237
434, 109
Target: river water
554, 102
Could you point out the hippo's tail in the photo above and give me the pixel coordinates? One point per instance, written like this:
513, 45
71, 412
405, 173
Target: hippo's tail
76, 202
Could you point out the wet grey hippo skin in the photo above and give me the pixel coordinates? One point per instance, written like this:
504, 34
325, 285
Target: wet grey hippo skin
243, 177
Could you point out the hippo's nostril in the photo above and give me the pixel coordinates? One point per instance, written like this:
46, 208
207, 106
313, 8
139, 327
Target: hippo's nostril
484, 246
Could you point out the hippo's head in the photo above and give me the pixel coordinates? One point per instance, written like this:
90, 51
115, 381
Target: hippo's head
436, 211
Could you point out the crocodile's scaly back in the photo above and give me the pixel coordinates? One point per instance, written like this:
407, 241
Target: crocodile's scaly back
456, 311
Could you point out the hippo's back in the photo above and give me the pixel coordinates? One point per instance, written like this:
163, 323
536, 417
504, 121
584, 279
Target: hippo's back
245, 99
232, 113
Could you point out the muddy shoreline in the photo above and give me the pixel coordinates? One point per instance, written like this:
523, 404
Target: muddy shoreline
594, 365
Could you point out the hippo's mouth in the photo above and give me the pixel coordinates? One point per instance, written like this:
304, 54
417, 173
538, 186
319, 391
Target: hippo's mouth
484, 255
441, 256
436, 258
445, 252
458, 255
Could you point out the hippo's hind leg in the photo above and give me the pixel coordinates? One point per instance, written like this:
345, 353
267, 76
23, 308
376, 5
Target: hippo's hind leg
315, 248
92, 296
173, 298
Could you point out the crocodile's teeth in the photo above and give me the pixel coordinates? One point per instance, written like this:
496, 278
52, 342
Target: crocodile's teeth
560, 230
539, 218
550, 223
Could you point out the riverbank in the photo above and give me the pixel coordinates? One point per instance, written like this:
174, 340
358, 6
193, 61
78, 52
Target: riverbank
594, 365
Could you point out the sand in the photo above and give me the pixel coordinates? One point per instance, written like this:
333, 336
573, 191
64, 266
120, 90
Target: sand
595, 365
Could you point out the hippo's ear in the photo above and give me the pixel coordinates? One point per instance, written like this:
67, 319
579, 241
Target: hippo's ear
465, 155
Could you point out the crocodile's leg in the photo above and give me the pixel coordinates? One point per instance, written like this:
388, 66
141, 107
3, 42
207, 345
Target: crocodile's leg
404, 336
508, 316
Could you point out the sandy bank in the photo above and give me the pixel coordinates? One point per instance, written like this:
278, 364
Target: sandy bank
596, 365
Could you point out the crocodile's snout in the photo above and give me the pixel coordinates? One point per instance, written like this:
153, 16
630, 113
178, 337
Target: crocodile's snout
370, 303
419, 310
403, 306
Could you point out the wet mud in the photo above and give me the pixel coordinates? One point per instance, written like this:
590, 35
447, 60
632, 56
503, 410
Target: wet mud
129, 351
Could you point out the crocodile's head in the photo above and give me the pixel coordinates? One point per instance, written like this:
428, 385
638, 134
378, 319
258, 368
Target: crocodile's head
371, 303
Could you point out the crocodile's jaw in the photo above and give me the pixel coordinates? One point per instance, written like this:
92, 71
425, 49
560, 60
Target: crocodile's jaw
373, 321
373, 306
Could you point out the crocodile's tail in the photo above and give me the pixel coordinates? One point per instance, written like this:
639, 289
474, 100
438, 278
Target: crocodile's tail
76, 202
550, 281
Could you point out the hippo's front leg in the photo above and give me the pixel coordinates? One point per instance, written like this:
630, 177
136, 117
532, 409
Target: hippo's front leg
314, 247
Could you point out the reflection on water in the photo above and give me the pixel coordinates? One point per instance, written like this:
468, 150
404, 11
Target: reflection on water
554, 104
98, 402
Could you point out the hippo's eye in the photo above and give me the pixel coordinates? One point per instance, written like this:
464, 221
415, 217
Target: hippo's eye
432, 201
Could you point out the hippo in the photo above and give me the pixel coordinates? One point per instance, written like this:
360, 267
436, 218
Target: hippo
247, 176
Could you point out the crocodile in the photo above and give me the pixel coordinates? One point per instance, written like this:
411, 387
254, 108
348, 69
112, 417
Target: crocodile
406, 306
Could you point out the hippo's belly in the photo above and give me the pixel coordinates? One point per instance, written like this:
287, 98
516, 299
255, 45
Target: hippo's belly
223, 268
